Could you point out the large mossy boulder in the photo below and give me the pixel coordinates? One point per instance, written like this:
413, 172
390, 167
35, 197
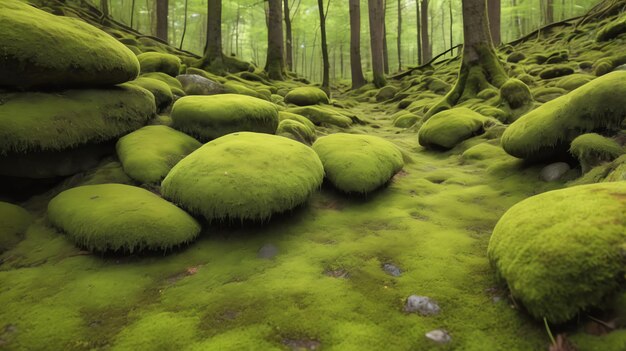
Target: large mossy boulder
159, 62
36, 127
42, 50
448, 128
149, 153
548, 130
561, 252
13, 223
210, 117
120, 218
305, 96
593, 149
244, 176
358, 163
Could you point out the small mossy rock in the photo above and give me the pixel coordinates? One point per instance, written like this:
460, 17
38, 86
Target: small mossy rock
305, 96
322, 116
163, 96
406, 120
296, 130
244, 176
159, 62
592, 149
240, 89
545, 94
516, 93
561, 252
194, 84
549, 129
487, 94
120, 218
283, 115
148, 154
448, 128
174, 84
43, 50
612, 30
482, 151
358, 163
385, 93
212, 116
13, 223
515, 57
574, 81
556, 71
526, 78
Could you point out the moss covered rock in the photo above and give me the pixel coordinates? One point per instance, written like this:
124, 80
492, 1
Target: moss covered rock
43, 50
174, 84
556, 71
159, 62
385, 93
322, 116
405, 119
448, 128
358, 163
117, 217
561, 252
304, 96
244, 176
210, 117
13, 223
516, 93
162, 92
149, 153
574, 81
592, 149
612, 29
283, 115
296, 130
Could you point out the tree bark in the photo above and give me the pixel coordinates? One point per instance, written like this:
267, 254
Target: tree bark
419, 30
493, 9
162, 10
426, 49
451, 27
355, 45
326, 68
213, 55
289, 37
275, 63
377, 31
385, 51
549, 11
399, 35
104, 7
182, 37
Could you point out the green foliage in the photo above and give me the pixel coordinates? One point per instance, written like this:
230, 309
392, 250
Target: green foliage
304, 96
244, 176
358, 163
159, 62
592, 149
296, 130
13, 223
323, 116
117, 217
149, 153
448, 128
560, 252
160, 90
549, 129
210, 117
43, 50
516, 93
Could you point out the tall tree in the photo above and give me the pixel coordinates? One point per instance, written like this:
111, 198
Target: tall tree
493, 10
548, 6
288, 37
377, 31
355, 44
275, 63
326, 68
162, 9
426, 48
419, 30
399, 35
182, 37
213, 56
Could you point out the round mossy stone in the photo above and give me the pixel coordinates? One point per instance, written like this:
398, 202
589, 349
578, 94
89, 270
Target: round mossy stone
296, 130
43, 50
516, 93
304, 96
117, 217
358, 163
448, 128
161, 91
283, 115
149, 153
210, 117
561, 252
592, 149
13, 223
323, 116
159, 62
405, 120
244, 176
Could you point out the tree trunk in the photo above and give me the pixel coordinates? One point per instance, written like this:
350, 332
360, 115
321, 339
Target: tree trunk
377, 31
182, 37
275, 63
493, 9
326, 78
132, 13
480, 68
162, 9
289, 37
451, 23
549, 11
385, 51
399, 35
419, 30
104, 7
355, 45
213, 50
426, 49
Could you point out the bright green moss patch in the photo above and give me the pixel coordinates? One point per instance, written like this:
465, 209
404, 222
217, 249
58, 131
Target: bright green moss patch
149, 153
516, 93
240, 89
159, 62
13, 223
175, 86
54, 121
162, 92
448, 128
283, 115
592, 149
43, 50
117, 217
210, 117
296, 130
560, 252
322, 116
304, 96
549, 129
405, 119
358, 163
244, 176
158, 331
574, 81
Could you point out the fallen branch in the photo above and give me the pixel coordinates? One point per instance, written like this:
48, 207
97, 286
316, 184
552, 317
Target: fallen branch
427, 64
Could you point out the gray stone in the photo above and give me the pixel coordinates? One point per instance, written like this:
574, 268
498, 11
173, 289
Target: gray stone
554, 171
194, 84
392, 270
439, 336
423, 305
268, 251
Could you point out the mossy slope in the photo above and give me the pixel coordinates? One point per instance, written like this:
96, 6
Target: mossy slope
13, 223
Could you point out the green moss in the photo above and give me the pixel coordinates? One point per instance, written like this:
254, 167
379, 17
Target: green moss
548, 130
545, 94
516, 93
117, 217
304, 96
482, 151
159, 62
175, 86
283, 115
386, 93
56, 121
163, 96
574, 81
149, 153
165, 331
43, 50
13, 223
561, 252
209, 117
608, 172
515, 57
526, 78
405, 119
592, 149
612, 29
277, 99
322, 116
606, 65
448, 128
613, 341
296, 130
556, 71
244, 176
358, 163
236, 88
